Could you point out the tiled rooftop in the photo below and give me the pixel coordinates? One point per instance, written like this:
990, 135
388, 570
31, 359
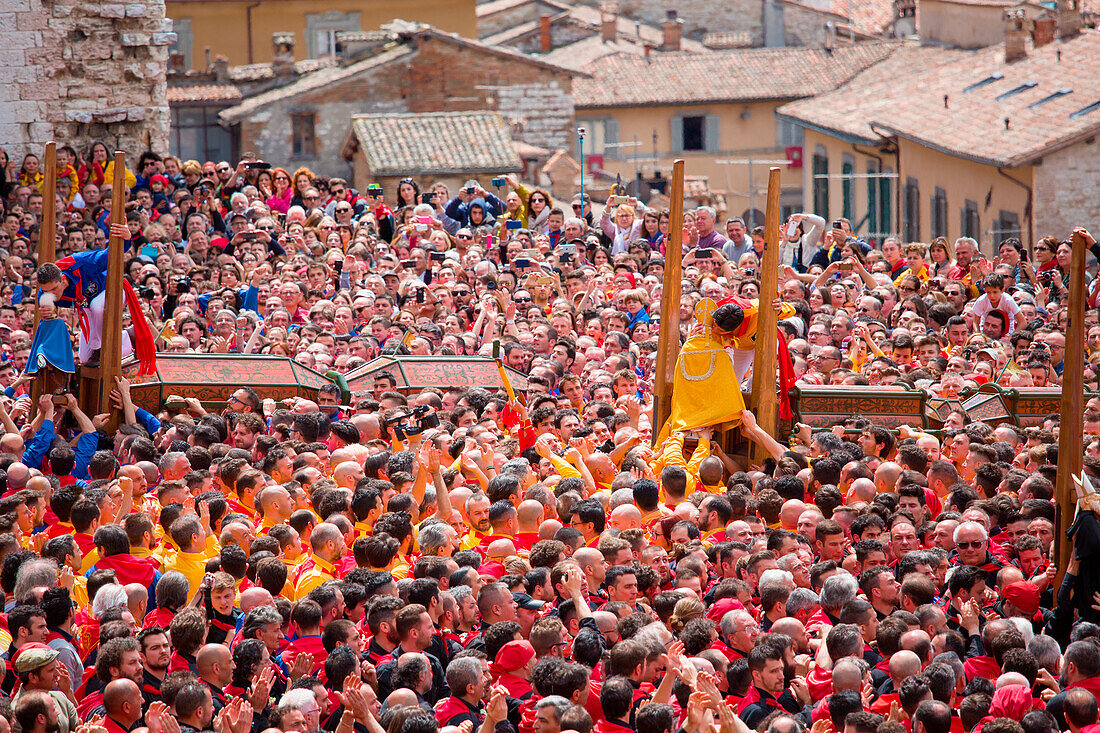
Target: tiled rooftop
1049, 99
724, 76
435, 143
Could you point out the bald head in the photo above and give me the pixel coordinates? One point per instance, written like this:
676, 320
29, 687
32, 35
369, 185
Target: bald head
549, 528
529, 515
886, 476
1012, 678
347, 474
588, 557
500, 549
863, 489
122, 700
789, 514
903, 664
605, 620
626, 516
215, 664
847, 675
255, 597
601, 467
18, 475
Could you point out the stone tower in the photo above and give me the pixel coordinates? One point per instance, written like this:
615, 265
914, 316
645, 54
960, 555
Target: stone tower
75, 72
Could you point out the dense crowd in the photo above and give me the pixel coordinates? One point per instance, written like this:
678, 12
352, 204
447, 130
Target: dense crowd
526, 565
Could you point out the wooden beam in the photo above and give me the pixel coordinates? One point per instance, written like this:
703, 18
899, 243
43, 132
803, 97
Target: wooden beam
1071, 433
47, 239
765, 398
668, 340
110, 356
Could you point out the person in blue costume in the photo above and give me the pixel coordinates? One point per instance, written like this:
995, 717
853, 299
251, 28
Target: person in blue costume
80, 281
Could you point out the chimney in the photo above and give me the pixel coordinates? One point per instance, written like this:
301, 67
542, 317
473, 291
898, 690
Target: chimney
545, 44
1068, 18
671, 28
282, 57
1015, 35
221, 68
1043, 32
609, 22
176, 63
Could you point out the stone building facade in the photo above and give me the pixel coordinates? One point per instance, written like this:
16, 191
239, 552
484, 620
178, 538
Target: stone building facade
421, 70
76, 72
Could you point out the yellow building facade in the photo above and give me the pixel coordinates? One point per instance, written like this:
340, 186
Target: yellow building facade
905, 189
716, 141
241, 30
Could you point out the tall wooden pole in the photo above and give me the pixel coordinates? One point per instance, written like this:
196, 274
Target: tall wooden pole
764, 395
1071, 433
111, 354
47, 238
668, 340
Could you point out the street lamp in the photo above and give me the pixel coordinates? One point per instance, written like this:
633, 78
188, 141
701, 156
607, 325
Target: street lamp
580, 136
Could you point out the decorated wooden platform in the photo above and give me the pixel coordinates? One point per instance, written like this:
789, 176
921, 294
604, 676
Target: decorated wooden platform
414, 373
211, 378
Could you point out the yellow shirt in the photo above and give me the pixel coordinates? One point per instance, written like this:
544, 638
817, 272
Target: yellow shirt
321, 572
472, 540
192, 565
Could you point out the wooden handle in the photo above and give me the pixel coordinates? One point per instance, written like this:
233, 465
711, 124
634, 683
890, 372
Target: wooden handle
764, 394
668, 339
111, 352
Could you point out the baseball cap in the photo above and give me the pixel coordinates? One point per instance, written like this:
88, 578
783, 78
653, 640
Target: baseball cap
527, 603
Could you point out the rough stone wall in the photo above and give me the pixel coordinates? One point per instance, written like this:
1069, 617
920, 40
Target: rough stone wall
702, 16
75, 71
268, 132
803, 27
544, 111
1066, 191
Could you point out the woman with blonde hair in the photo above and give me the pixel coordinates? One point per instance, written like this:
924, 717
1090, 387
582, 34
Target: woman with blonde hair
626, 226
685, 610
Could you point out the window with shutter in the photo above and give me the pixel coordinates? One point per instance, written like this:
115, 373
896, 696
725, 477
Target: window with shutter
872, 199
611, 139
847, 187
694, 133
821, 182
886, 203
712, 134
971, 223
676, 137
939, 213
912, 210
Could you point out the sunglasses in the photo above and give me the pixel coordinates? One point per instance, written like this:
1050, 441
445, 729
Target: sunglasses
969, 545
464, 236
282, 178
522, 300
343, 210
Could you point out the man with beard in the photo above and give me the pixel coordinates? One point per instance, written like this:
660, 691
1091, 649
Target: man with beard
327, 543
117, 659
40, 671
477, 515
194, 707
715, 513
155, 655
415, 630
36, 713
381, 620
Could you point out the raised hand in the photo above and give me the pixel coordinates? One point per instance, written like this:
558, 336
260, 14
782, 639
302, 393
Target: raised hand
301, 666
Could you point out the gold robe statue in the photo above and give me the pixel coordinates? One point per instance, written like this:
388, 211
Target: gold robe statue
705, 388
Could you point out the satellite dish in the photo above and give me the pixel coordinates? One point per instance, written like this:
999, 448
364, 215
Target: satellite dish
640, 190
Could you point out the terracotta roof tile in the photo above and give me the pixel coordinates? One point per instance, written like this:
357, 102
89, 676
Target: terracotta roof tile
721, 76
197, 93
982, 92
435, 143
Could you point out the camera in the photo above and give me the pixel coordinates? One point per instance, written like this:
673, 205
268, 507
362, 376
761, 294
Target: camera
148, 293
499, 181
617, 200
183, 284
414, 422
257, 165
437, 256
513, 224
838, 224
522, 262
374, 189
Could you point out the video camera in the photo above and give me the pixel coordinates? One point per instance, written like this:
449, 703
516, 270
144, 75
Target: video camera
402, 426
